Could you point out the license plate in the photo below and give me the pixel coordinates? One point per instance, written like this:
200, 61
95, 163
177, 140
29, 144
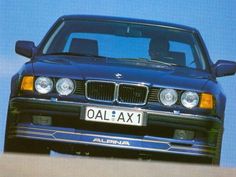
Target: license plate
115, 116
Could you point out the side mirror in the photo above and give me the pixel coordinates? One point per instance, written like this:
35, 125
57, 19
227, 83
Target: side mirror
224, 68
25, 48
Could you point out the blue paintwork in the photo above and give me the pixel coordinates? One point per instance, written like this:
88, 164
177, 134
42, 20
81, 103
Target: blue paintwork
25, 48
224, 68
105, 69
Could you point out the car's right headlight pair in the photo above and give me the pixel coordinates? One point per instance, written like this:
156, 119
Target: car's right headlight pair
188, 99
65, 86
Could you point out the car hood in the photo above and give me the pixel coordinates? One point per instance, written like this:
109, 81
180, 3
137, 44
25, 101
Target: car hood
120, 70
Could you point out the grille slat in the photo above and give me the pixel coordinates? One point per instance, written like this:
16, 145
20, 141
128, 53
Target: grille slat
80, 89
153, 95
132, 94
100, 91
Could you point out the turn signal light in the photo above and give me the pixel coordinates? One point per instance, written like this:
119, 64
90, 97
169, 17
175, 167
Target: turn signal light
27, 83
207, 101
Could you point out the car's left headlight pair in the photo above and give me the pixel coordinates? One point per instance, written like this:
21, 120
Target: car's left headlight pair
64, 86
168, 97
189, 99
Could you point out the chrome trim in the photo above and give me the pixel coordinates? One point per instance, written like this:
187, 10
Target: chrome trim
116, 92
104, 101
118, 75
147, 111
140, 85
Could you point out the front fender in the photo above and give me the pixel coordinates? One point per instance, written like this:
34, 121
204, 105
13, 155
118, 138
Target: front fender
26, 69
215, 88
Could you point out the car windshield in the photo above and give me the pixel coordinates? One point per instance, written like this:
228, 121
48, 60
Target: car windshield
125, 41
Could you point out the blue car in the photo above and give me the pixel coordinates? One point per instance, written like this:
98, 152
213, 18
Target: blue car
118, 87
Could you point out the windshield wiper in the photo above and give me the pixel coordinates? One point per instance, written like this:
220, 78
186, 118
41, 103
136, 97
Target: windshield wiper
132, 59
76, 54
150, 61
163, 63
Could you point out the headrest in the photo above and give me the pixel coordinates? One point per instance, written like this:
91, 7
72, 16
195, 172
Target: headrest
159, 45
178, 58
84, 46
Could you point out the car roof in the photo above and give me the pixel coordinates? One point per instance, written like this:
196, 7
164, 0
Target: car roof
129, 20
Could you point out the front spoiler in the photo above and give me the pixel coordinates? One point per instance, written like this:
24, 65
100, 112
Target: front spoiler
21, 104
141, 143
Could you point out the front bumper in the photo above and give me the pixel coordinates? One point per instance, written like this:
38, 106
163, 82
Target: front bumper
144, 142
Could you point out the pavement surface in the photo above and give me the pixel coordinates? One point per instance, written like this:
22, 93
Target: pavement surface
35, 166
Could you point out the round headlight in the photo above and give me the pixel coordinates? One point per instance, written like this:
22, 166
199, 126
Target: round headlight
65, 86
43, 85
168, 97
189, 99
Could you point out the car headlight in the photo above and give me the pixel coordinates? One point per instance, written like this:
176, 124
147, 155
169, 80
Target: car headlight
189, 99
65, 86
168, 97
43, 85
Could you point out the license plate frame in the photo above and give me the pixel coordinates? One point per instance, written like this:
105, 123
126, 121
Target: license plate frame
138, 117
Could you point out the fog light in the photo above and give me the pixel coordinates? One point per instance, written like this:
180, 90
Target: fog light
184, 134
42, 120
